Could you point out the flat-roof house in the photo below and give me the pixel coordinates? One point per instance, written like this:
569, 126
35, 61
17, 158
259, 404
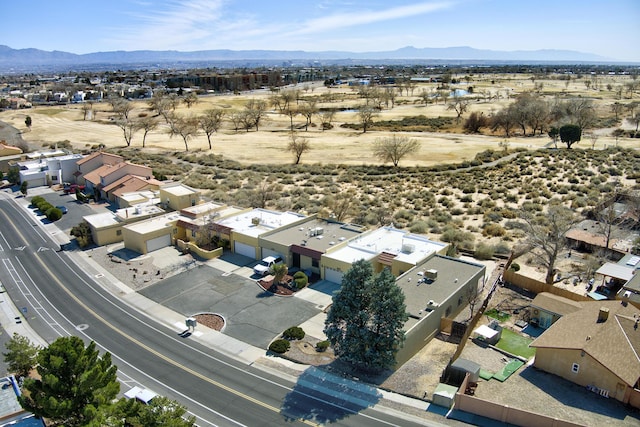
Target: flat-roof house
11, 412
436, 287
383, 247
198, 221
106, 228
48, 170
126, 200
596, 347
178, 196
244, 229
303, 243
547, 308
151, 234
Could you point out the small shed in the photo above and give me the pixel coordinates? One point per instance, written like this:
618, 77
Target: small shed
461, 367
486, 334
444, 395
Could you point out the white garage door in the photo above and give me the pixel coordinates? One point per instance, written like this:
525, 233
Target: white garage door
158, 243
332, 275
244, 249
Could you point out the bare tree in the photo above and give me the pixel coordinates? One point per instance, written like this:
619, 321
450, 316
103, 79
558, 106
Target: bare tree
298, 146
210, 122
263, 193
190, 99
326, 117
255, 112
128, 127
459, 105
366, 114
340, 205
86, 108
394, 148
147, 124
185, 127
593, 137
121, 107
546, 235
308, 110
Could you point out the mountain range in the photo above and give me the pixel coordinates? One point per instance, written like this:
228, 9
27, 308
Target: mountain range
35, 59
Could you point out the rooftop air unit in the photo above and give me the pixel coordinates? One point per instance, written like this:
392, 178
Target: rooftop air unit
431, 274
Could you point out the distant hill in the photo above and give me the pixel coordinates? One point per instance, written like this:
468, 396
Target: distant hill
35, 59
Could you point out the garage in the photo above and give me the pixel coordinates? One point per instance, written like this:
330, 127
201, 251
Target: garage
332, 275
244, 249
269, 252
158, 243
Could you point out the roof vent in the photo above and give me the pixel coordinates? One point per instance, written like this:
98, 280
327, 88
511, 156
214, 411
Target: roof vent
603, 314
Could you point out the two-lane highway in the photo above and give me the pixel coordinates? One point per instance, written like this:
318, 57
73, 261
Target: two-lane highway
63, 300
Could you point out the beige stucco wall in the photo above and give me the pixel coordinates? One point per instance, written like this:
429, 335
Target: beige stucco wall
334, 264
591, 372
107, 235
179, 202
279, 248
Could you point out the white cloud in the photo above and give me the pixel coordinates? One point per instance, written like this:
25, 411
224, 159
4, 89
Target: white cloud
354, 18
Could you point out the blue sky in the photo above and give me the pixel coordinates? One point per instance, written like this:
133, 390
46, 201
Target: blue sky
607, 28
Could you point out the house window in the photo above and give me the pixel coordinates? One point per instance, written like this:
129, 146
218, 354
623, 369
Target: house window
575, 368
315, 263
118, 232
459, 301
448, 312
193, 233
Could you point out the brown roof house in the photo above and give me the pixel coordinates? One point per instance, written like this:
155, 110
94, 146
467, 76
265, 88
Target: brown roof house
547, 308
93, 162
597, 347
105, 175
129, 184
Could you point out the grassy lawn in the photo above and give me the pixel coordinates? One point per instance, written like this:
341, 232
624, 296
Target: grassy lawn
516, 344
497, 314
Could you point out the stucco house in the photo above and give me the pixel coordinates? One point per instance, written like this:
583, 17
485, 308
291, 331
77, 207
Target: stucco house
152, 234
106, 228
303, 243
436, 287
243, 229
129, 184
176, 196
105, 175
196, 221
595, 347
390, 247
546, 308
630, 291
93, 162
48, 168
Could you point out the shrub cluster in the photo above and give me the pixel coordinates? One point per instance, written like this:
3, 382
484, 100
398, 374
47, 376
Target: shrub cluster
301, 280
280, 346
52, 213
293, 333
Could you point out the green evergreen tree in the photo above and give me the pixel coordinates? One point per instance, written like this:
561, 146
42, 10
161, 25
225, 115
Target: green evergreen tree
21, 355
75, 383
160, 412
364, 324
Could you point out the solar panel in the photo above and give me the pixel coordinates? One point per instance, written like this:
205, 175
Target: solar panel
633, 261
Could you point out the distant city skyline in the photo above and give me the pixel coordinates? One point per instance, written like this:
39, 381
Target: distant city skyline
609, 29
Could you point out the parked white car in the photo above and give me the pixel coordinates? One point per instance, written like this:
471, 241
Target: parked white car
266, 265
142, 394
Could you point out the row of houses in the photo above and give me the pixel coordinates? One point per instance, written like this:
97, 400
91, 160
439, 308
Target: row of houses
151, 214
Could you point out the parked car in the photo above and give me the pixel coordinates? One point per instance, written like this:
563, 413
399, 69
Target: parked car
63, 209
141, 394
266, 265
71, 188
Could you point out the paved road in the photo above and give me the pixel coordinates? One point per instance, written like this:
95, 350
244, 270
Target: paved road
62, 300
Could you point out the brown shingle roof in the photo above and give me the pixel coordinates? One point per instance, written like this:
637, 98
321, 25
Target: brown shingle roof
614, 343
130, 183
555, 303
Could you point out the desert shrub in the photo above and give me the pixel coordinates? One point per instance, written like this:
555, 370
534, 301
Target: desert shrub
301, 280
293, 333
420, 227
514, 266
484, 251
322, 346
82, 233
37, 199
493, 230
280, 346
502, 248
